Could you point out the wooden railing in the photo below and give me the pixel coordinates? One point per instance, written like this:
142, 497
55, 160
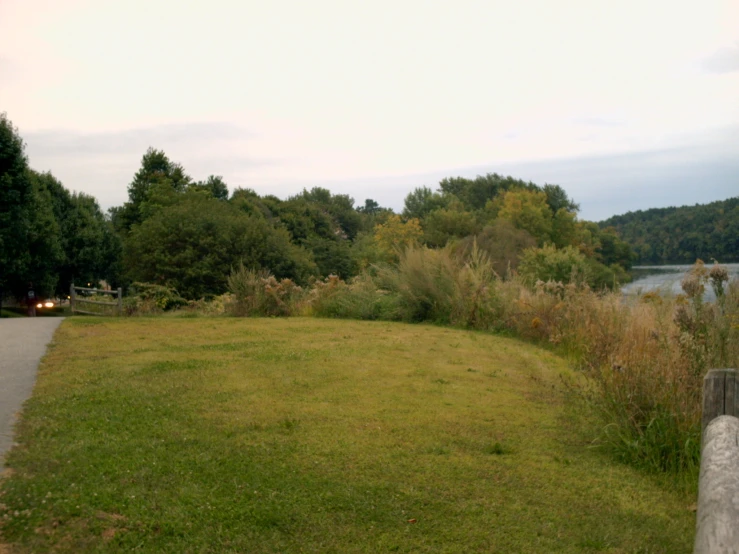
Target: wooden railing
717, 519
76, 300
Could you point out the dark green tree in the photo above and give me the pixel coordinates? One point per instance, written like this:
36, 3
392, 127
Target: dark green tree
476, 193
16, 194
213, 185
193, 244
558, 200
89, 247
682, 235
155, 184
422, 201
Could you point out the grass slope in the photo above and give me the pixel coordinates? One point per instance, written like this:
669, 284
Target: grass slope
309, 435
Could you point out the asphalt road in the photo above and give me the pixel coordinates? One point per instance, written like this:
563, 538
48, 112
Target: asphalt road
22, 344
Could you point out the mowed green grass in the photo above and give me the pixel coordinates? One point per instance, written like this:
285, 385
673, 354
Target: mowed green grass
310, 435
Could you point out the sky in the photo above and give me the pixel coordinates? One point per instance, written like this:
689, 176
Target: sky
627, 105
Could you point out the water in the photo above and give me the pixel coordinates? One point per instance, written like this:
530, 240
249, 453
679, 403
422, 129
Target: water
667, 278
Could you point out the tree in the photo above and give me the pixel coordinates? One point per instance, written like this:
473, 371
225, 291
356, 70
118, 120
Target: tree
528, 210
502, 242
396, 234
476, 193
16, 193
422, 201
193, 244
446, 224
339, 206
89, 249
44, 241
370, 207
156, 182
681, 235
558, 200
213, 185
549, 263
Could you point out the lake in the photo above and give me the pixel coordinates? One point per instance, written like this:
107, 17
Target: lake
666, 278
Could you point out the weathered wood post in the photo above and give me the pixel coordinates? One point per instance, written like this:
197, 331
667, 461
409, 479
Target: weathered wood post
120, 301
717, 518
72, 298
720, 395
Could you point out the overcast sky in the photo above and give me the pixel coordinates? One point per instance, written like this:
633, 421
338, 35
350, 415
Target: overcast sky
627, 105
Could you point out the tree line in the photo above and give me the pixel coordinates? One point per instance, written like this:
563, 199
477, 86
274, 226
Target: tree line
682, 235
189, 235
49, 237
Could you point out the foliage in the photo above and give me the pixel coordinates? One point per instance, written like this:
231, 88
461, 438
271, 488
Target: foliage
396, 234
434, 285
682, 235
214, 185
332, 257
16, 197
476, 193
192, 245
446, 224
258, 293
502, 242
148, 298
90, 248
550, 263
421, 202
156, 183
527, 210
48, 237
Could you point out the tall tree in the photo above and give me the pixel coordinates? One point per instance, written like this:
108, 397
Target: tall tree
15, 217
213, 185
157, 179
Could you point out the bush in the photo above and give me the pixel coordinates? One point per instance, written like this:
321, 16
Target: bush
258, 293
550, 263
645, 360
358, 299
146, 298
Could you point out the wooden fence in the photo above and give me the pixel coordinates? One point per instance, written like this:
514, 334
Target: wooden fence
717, 519
75, 301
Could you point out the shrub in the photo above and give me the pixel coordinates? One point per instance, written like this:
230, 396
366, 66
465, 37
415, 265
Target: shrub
358, 299
259, 293
147, 298
550, 263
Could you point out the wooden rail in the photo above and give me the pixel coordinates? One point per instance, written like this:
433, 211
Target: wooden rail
717, 518
74, 300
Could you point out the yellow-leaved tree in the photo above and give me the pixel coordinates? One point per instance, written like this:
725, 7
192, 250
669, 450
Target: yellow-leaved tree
395, 235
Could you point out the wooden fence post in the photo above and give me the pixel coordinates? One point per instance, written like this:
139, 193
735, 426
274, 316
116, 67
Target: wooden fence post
71, 298
720, 395
717, 517
120, 301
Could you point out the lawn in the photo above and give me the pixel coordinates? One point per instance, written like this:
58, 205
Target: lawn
310, 435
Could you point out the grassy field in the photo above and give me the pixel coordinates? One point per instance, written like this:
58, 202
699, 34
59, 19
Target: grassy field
310, 435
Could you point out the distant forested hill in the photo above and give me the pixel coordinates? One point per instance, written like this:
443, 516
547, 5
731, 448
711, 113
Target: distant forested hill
680, 235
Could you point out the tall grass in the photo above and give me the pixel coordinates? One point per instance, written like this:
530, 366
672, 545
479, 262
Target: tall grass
258, 293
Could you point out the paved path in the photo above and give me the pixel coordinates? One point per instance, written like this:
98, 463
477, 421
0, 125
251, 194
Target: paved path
22, 344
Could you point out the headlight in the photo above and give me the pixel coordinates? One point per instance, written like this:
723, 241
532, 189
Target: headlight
48, 304
39, 305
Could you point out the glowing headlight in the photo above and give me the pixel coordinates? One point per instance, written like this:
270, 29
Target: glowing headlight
39, 305
48, 304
